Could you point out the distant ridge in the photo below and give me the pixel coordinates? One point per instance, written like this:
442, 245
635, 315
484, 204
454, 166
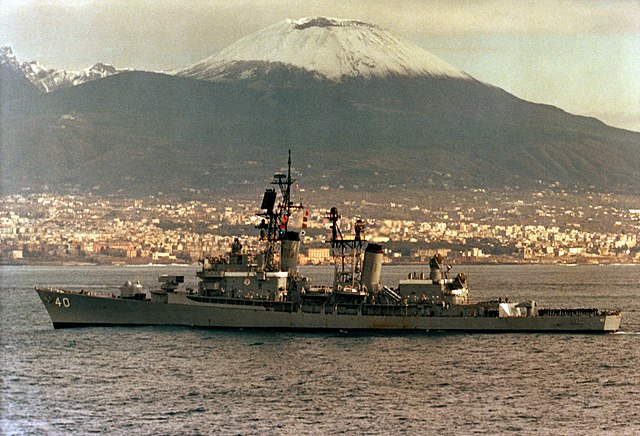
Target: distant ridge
49, 79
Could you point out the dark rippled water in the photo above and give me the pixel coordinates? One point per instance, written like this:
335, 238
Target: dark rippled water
190, 381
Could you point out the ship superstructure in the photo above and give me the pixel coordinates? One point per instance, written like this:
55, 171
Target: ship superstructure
264, 289
271, 274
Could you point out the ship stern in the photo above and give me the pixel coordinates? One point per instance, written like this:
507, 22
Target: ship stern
612, 322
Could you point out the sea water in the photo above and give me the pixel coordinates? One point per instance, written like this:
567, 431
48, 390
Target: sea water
171, 380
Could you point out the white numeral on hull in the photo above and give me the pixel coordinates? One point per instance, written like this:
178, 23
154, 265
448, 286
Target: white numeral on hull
62, 303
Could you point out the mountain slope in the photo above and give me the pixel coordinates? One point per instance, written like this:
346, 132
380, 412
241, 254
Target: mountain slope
147, 132
14, 85
396, 122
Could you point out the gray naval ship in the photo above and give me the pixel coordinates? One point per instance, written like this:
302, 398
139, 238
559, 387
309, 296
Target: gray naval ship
264, 290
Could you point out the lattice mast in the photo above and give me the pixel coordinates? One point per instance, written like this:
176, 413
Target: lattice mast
346, 253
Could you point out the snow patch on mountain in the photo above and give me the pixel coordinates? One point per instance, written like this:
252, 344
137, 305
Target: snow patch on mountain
332, 48
49, 79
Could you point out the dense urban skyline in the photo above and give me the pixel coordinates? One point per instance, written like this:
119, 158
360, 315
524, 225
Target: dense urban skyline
497, 227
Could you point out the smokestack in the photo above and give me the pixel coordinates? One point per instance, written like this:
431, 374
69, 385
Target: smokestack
289, 249
436, 265
371, 267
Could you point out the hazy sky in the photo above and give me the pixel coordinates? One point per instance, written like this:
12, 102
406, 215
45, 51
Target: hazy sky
580, 55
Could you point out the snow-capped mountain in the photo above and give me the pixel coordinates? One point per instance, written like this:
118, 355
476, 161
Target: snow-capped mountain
360, 106
49, 79
329, 48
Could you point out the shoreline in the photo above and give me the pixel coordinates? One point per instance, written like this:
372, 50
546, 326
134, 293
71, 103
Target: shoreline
456, 262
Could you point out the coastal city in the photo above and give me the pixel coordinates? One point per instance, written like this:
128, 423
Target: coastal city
475, 226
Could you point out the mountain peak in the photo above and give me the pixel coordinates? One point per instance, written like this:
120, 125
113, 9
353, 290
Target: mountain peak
331, 48
99, 66
6, 54
49, 79
305, 23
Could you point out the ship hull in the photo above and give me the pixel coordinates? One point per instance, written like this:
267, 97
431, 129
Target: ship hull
69, 309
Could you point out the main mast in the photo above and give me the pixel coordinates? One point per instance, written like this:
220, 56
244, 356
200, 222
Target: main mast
274, 227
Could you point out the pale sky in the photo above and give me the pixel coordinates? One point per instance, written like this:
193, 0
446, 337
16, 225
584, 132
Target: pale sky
580, 55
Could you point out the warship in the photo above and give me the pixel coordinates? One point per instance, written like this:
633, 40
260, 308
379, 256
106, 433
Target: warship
264, 290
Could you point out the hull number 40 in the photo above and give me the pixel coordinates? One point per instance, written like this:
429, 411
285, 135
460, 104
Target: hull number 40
62, 302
